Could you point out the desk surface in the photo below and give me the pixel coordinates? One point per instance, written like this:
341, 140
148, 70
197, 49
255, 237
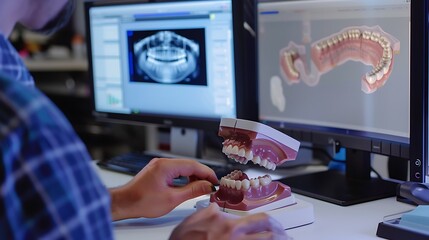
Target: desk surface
331, 221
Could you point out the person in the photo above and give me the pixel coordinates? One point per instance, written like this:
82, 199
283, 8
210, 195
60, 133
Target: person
49, 188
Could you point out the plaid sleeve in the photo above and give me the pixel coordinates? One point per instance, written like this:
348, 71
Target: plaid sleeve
11, 63
48, 188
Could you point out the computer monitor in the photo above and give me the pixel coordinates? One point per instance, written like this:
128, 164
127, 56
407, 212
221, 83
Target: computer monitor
345, 74
179, 64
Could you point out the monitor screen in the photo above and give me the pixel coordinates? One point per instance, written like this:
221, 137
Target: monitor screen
338, 72
166, 62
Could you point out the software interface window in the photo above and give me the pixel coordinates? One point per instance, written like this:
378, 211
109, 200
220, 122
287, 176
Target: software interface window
150, 57
340, 64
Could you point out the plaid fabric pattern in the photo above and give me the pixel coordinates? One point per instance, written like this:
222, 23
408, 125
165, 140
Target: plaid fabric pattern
11, 63
48, 187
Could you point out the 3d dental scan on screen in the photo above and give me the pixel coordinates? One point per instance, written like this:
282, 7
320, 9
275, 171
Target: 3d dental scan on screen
247, 141
343, 75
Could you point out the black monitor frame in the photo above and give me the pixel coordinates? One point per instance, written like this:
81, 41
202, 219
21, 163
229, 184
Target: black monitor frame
356, 185
245, 79
419, 102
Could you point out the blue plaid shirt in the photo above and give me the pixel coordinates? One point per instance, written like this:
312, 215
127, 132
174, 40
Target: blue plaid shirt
48, 188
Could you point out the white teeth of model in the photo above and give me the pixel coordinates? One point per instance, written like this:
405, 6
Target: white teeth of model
222, 181
384, 42
264, 163
235, 150
358, 33
264, 181
366, 35
370, 78
245, 185
230, 183
237, 184
256, 160
345, 35
340, 38
385, 69
334, 40
224, 149
241, 152
249, 155
379, 75
329, 42
350, 34
375, 36
254, 183
228, 149
270, 166
387, 53
387, 62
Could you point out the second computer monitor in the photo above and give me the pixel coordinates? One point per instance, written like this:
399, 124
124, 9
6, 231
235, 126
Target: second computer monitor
343, 73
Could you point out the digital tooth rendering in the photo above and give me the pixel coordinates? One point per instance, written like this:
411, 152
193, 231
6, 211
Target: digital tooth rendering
369, 45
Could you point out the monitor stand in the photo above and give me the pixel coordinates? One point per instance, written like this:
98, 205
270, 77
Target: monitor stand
354, 186
186, 142
183, 143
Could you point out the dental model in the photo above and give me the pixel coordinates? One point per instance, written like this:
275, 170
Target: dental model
246, 141
369, 45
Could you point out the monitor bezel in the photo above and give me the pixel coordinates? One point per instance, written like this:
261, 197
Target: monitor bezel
245, 82
419, 92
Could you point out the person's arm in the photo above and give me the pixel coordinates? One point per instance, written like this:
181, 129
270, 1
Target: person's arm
50, 187
151, 192
211, 223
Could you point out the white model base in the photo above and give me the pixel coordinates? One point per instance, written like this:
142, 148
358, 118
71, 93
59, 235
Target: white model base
291, 216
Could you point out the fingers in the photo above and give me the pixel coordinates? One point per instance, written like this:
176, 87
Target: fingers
187, 168
211, 223
193, 189
267, 236
258, 223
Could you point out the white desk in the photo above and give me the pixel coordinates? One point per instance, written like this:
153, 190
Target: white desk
332, 221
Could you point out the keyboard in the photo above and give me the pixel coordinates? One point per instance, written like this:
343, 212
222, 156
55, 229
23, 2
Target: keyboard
132, 163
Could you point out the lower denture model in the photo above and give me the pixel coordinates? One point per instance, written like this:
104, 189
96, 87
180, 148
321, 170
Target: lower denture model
246, 141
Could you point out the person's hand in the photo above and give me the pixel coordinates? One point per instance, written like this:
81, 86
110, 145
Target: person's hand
151, 192
211, 223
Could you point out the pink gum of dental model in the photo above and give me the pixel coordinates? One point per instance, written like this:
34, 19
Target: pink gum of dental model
267, 143
253, 198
